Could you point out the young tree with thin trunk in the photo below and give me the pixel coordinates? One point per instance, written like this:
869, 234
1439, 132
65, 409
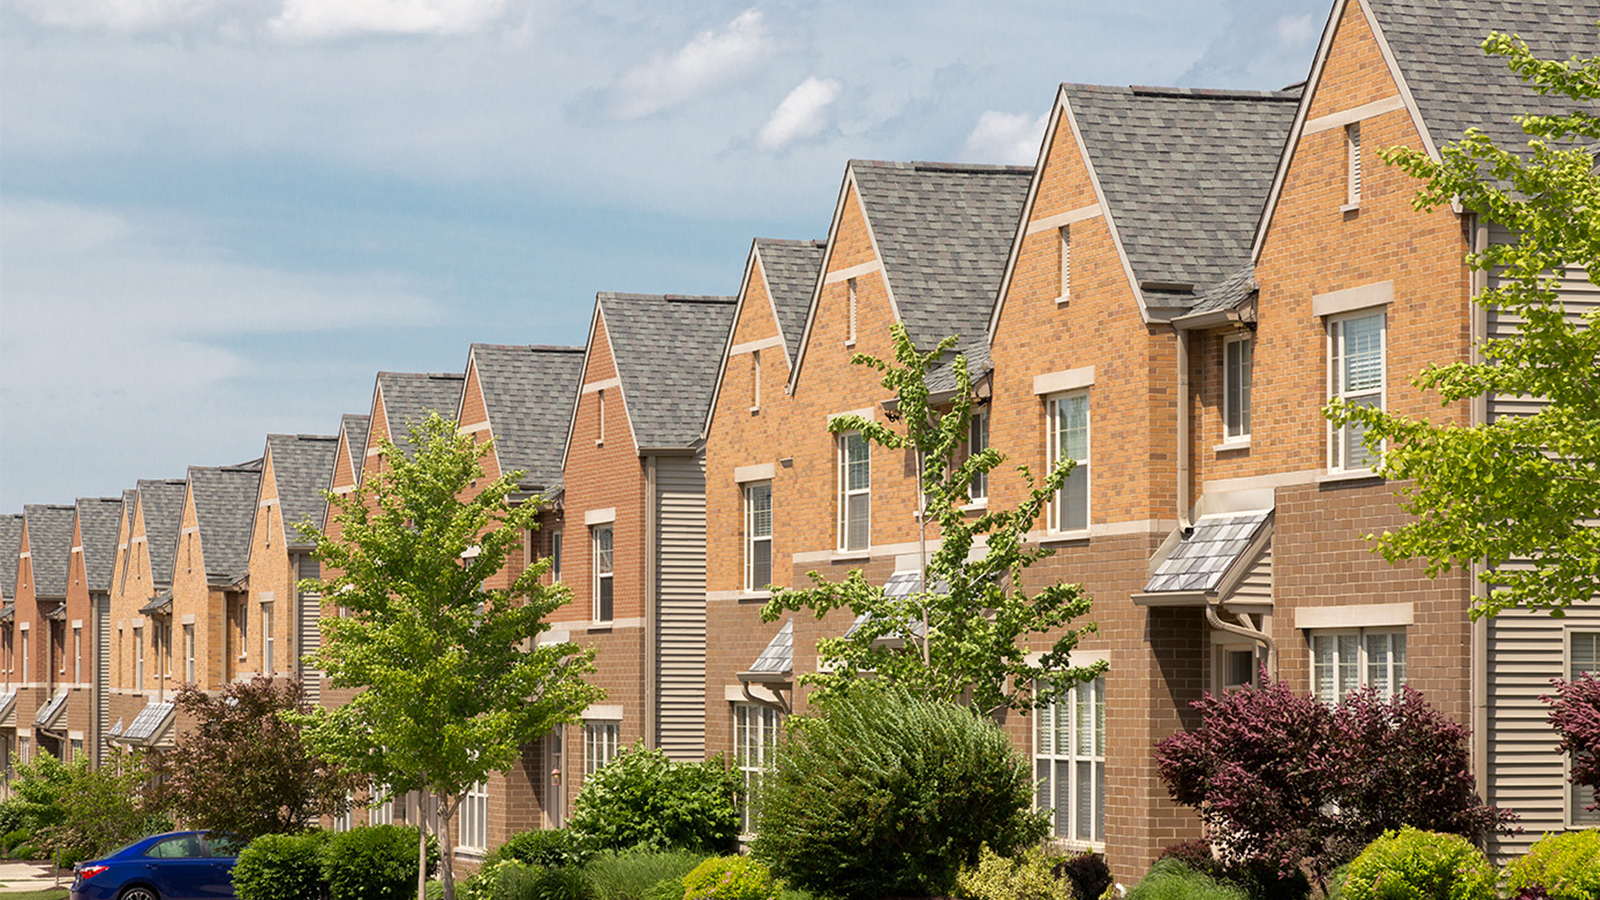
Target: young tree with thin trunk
453, 678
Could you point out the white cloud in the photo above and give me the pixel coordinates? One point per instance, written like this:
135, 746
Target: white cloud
802, 114
119, 15
712, 59
317, 19
1001, 137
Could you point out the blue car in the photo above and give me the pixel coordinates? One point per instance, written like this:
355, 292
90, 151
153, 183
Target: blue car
179, 865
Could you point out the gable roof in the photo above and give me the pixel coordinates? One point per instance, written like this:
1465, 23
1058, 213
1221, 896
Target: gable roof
355, 429
224, 509
10, 550
1456, 85
302, 465
99, 518
1184, 173
943, 233
130, 503
791, 270
162, 503
667, 350
408, 397
49, 545
527, 393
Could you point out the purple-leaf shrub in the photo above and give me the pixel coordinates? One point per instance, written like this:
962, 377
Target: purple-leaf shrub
1282, 780
1575, 715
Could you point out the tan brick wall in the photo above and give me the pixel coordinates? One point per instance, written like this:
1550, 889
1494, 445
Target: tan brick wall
272, 582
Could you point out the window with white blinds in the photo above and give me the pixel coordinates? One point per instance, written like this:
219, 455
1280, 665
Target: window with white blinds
604, 583
1346, 660
1356, 374
758, 535
1069, 742
977, 442
1069, 440
855, 492
1238, 352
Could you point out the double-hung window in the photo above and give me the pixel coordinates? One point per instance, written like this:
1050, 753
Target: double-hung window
1069, 742
977, 442
266, 639
603, 581
855, 492
1356, 375
1583, 656
382, 810
555, 556
1238, 353
600, 741
755, 742
758, 535
1069, 440
188, 654
1345, 660
138, 658
474, 832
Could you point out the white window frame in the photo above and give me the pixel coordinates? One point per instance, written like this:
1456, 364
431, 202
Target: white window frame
848, 497
1058, 503
1080, 769
1064, 259
77, 655
1575, 663
601, 743
850, 287
1224, 653
24, 748
604, 558
472, 833
555, 555
345, 820
244, 629
755, 742
1236, 379
1352, 146
382, 812
977, 442
1339, 437
138, 657
1339, 668
266, 638
600, 417
755, 380
754, 537
188, 653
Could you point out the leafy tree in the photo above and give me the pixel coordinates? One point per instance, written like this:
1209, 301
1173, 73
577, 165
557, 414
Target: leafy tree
452, 677
245, 770
644, 799
1283, 780
1519, 487
101, 809
965, 635
1575, 715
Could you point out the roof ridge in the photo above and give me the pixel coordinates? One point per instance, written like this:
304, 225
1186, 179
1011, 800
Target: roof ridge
669, 298
935, 166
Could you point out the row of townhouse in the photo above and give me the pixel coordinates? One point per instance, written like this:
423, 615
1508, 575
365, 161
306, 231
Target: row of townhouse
1168, 297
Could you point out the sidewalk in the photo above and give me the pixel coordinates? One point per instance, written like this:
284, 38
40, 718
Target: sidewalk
29, 876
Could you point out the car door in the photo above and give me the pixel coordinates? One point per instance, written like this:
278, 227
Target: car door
223, 852
179, 868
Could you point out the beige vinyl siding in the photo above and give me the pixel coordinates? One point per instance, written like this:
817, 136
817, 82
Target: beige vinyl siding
1527, 773
310, 636
681, 605
1256, 585
102, 676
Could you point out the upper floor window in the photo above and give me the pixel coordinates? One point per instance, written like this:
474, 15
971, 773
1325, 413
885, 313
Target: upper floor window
266, 638
850, 285
758, 535
1238, 352
555, 556
755, 380
1069, 440
1069, 743
977, 442
1352, 146
600, 417
603, 597
1066, 262
855, 492
1356, 374
188, 654
1350, 659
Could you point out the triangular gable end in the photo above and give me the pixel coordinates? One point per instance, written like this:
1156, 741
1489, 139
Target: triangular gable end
1336, 18
597, 333
474, 383
752, 264
847, 190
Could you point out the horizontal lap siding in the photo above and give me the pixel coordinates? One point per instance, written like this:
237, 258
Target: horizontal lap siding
681, 499
1528, 649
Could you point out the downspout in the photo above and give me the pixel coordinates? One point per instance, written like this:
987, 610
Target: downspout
1246, 630
1479, 675
652, 611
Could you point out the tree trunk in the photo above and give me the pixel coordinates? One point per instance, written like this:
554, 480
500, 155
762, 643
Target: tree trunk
447, 845
422, 846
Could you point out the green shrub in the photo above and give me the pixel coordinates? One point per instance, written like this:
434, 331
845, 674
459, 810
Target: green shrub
886, 794
1565, 865
1170, 879
1419, 865
666, 889
281, 867
12, 815
730, 878
27, 851
1259, 880
548, 847
1088, 873
1027, 876
642, 798
557, 884
630, 874
376, 862
15, 838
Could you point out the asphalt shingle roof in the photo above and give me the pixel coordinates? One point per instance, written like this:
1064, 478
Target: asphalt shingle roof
99, 518
1229, 293
945, 233
1455, 84
667, 350
149, 721
50, 543
1185, 173
777, 658
302, 465
355, 430
791, 269
10, 548
224, 508
1207, 552
162, 502
408, 397
528, 393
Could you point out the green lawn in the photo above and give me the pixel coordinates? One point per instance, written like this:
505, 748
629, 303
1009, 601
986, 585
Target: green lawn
50, 894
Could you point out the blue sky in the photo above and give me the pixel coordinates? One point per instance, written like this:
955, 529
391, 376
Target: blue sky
220, 218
